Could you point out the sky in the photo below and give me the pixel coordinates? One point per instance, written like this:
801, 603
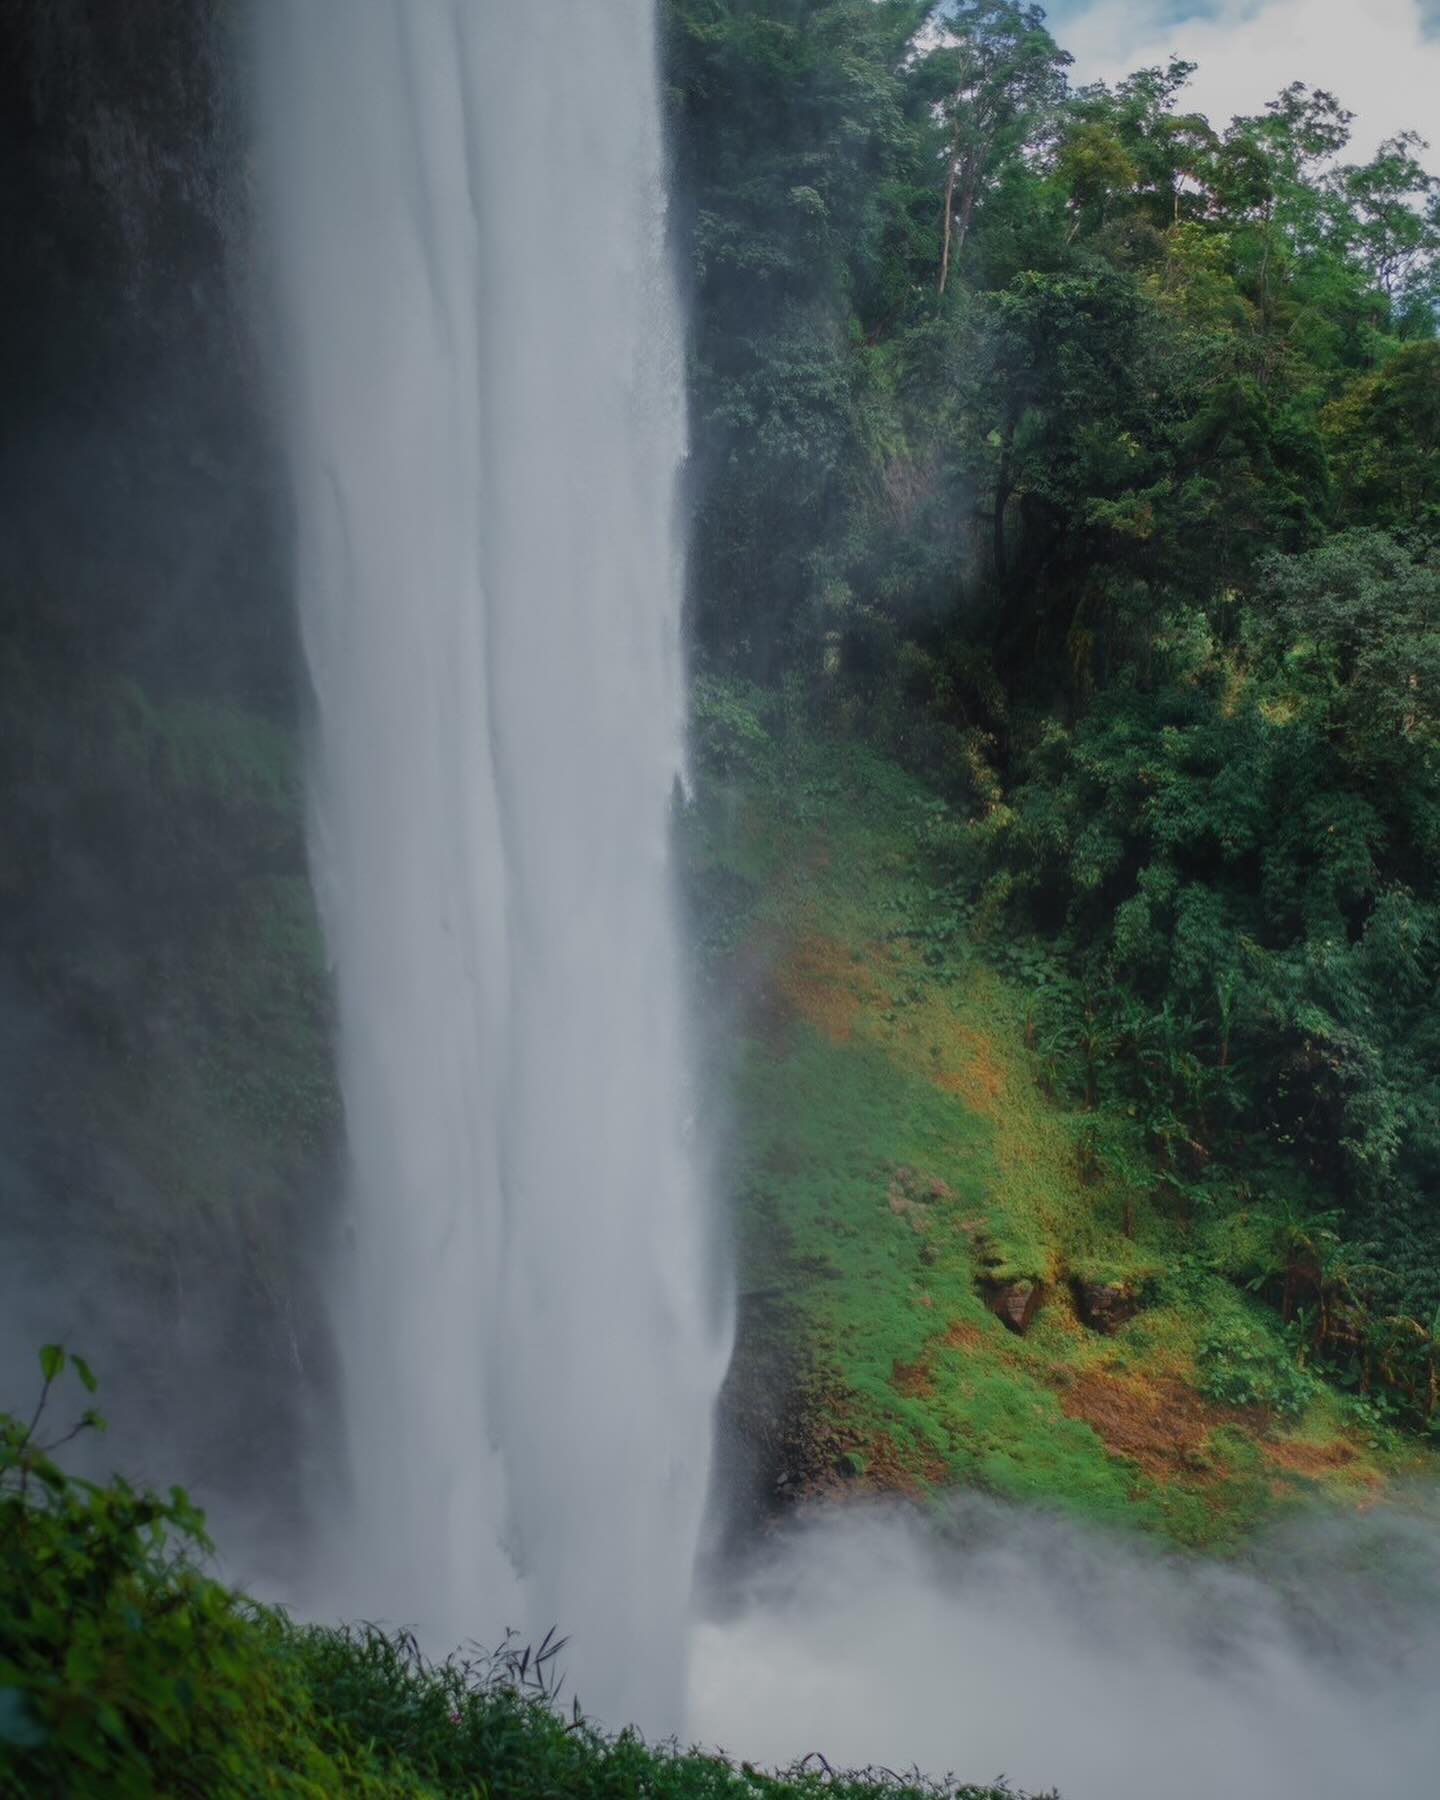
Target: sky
1381, 58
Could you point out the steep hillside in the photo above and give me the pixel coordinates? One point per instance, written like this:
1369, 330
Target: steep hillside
961, 1277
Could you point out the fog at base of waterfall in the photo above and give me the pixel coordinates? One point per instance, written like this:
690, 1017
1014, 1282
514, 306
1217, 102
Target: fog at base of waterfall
482, 389
989, 1641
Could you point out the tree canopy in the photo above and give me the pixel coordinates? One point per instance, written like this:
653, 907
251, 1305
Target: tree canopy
1085, 452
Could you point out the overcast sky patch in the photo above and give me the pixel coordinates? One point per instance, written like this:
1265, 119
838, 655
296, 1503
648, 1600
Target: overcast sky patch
1382, 59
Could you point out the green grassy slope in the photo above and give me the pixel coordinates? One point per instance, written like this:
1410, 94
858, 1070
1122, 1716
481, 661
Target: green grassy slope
903, 1173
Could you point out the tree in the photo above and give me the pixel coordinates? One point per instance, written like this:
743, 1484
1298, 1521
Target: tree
998, 78
1360, 618
1383, 436
1263, 181
794, 128
1387, 216
1166, 149
1093, 166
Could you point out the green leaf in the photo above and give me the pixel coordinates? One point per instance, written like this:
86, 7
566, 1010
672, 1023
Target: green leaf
86, 1374
52, 1360
18, 1725
110, 1722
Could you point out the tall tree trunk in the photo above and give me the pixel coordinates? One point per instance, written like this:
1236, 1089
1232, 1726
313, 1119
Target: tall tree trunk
1004, 487
969, 183
962, 171
952, 171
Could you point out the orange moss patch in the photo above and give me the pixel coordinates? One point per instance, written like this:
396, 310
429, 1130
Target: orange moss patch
1308, 1459
825, 985
913, 1379
1163, 1425
916, 1380
961, 1335
988, 1072
890, 1470
1318, 1462
980, 1082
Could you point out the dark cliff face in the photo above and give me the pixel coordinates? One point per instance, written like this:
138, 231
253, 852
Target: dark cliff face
138, 485
168, 1115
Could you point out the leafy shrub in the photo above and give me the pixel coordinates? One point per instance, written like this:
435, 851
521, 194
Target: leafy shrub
729, 734
127, 1672
1241, 1366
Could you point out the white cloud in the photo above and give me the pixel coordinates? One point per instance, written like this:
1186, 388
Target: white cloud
1374, 57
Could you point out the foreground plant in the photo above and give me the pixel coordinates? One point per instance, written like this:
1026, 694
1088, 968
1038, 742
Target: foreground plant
127, 1671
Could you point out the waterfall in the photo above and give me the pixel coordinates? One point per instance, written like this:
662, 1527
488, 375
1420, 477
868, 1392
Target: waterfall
482, 392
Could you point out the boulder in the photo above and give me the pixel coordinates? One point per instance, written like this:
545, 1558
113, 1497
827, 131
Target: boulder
1105, 1305
1016, 1304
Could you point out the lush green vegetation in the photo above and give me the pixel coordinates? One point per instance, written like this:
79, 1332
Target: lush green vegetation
911, 1163
1082, 455
1066, 601
126, 1670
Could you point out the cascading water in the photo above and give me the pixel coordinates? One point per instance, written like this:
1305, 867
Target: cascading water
484, 403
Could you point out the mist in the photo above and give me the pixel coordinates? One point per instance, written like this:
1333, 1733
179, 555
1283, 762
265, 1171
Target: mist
990, 1642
